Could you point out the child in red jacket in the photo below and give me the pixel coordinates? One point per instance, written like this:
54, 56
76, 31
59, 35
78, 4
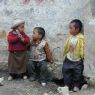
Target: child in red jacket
17, 42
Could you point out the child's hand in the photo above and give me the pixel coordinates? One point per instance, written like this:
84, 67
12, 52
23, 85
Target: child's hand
22, 39
72, 48
51, 61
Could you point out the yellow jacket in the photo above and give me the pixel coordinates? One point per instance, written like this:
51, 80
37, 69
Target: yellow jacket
79, 48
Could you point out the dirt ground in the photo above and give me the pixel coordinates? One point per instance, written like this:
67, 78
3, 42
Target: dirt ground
25, 87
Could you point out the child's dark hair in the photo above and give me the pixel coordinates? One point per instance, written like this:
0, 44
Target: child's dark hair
41, 31
78, 24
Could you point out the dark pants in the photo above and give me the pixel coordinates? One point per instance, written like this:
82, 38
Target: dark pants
39, 70
72, 73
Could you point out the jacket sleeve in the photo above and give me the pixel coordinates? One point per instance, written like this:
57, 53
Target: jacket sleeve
48, 52
12, 38
82, 48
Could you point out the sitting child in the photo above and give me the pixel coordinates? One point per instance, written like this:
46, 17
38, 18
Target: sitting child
74, 56
39, 55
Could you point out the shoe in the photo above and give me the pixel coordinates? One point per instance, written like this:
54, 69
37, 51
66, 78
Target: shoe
1, 80
85, 86
70, 91
10, 78
24, 77
43, 84
76, 89
32, 79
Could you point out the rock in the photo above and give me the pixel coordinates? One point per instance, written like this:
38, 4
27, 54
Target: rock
91, 82
56, 69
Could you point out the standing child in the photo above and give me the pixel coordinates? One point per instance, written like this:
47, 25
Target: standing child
74, 56
17, 41
40, 54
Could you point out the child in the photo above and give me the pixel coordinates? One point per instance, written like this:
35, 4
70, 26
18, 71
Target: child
39, 56
17, 42
74, 56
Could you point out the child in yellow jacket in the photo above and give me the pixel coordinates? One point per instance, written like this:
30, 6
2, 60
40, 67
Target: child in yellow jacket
73, 56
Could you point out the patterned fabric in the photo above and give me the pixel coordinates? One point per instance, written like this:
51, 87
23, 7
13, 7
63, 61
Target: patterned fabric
37, 51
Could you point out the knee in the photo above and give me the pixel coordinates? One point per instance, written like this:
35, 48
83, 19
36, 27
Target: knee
44, 67
30, 65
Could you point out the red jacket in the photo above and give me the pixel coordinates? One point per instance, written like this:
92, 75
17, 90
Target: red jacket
15, 43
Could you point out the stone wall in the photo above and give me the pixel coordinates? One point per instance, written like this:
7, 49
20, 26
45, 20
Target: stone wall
89, 25
54, 16
93, 7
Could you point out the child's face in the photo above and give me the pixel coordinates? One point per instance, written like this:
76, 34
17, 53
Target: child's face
73, 31
35, 35
21, 28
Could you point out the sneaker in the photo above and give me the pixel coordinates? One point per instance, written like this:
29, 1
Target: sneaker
10, 78
43, 84
1, 80
76, 89
24, 77
71, 91
32, 79
85, 86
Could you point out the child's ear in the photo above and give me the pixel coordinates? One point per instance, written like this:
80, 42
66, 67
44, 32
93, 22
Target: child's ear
77, 29
40, 36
